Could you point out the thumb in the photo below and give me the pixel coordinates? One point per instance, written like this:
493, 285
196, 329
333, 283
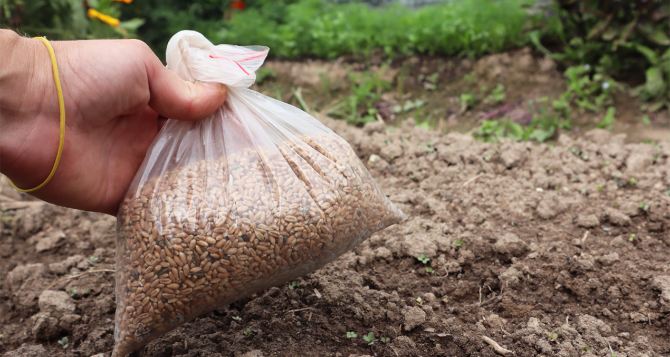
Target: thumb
175, 98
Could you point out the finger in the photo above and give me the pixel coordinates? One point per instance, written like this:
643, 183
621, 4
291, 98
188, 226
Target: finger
175, 98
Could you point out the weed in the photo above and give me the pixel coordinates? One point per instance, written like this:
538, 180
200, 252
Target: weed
632, 237
468, 101
497, 95
370, 338
64, 342
587, 89
644, 206
358, 107
419, 300
294, 285
248, 332
351, 334
385, 339
552, 336
458, 243
608, 119
423, 259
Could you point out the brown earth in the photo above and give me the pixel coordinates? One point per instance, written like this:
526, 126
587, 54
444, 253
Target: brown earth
558, 249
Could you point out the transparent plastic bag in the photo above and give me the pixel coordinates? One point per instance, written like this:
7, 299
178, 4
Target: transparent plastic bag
254, 196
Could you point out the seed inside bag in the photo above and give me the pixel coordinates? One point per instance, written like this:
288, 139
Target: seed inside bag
214, 231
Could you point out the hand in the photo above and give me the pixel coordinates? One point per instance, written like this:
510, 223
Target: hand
115, 93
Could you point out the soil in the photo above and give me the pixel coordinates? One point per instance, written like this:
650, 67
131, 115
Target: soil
557, 249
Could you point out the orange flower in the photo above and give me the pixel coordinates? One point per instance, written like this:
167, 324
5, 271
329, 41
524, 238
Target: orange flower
125, 1
109, 20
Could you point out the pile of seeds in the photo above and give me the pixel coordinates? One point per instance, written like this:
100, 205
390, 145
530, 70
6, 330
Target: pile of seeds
214, 231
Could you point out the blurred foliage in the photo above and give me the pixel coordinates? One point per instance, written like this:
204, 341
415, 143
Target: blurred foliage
618, 38
163, 18
315, 28
65, 19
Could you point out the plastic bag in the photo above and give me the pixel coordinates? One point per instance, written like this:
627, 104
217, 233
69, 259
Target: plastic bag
254, 196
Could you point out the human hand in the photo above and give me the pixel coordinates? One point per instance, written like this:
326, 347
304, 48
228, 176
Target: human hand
115, 93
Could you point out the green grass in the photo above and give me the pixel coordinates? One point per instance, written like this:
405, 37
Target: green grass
314, 28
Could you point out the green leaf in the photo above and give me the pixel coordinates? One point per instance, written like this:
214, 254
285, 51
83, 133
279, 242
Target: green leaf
132, 25
608, 120
648, 53
654, 85
655, 34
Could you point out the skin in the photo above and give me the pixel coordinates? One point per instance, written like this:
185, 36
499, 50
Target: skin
116, 94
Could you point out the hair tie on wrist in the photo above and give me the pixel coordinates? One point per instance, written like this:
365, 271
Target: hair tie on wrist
61, 108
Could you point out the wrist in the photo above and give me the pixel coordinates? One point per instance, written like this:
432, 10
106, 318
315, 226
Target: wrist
24, 84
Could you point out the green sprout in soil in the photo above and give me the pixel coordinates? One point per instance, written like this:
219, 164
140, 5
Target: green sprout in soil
467, 100
497, 95
370, 338
294, 285
646, 120
351, 334
552, 336
237, 318
458, 243
385, 339
64, 342
632, 182
419, 300
430, 270
248, 332
600, 188
608, 120
423, 259
632, 237
644, 206
93, 259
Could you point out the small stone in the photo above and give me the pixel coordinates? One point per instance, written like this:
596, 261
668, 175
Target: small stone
662, 283
617, 217
48, 240
413, 317
608, 259
56, 301
67, 321
550, 206
375, 162
383, 253
64, 266
511, 276
512, 156
587, 221
391, 151
45, 327
640, 158
510, 244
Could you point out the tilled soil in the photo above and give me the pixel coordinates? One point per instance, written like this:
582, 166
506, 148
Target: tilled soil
558, 249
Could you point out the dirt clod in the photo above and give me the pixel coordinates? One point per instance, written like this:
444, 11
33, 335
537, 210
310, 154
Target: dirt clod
510, 244
587, 221
413, 317
617, 217
56, 301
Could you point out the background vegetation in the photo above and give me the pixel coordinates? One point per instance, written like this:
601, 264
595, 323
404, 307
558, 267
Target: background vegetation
603, 46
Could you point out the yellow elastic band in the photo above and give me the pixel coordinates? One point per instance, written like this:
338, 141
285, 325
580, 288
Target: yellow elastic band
61, 108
